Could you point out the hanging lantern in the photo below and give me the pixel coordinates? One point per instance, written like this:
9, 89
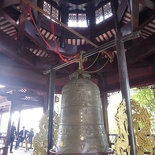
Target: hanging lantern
81, 129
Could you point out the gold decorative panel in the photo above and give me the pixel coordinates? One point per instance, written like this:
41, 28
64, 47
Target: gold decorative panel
122, 143
142, 125
145, 141
40, 141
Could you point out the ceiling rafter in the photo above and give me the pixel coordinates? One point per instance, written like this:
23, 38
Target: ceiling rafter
148, 4
13, 22
31, 32
121, 9
22, 20
149, 20
59, 22
12, 50
25, 58
6, 3
134, 8
18, 77
141, 50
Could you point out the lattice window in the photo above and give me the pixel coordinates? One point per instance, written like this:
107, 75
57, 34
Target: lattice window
107, 10
77, 20
72, 19
22, 90
47, 7
103, 13
72, 16
55, 12
81, 17
82, 21
99, 15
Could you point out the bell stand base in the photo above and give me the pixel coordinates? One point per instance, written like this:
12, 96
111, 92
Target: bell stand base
51, 152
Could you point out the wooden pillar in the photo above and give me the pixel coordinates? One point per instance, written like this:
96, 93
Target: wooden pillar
18, 124
11, 110
40, 5
64, 19
104, 104
125, 89
22, 20
124, 80
45, 108
51, 108
134, 9
0, 120
91, 21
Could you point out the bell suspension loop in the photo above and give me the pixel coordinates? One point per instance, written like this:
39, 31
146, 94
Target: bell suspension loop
80, 61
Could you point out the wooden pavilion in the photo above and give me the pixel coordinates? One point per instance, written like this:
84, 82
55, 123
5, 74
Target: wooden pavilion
41, 41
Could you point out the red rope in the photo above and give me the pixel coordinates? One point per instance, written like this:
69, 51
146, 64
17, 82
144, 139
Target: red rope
54, 50
53, 31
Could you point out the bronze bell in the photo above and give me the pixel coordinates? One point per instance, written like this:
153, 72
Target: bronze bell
81, 128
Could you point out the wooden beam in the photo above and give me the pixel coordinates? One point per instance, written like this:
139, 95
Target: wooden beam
64, 19
39, 14
38, 66
141, 50
22, 20
23, 104
9, 47
13, 22
126, 29
134, 8
32, 33
23, 97
121, 9
139, 82
59, 22
142, 76
148, 3
6, 3
150, 19
18, 77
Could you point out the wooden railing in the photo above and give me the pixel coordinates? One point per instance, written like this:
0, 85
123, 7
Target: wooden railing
3, 147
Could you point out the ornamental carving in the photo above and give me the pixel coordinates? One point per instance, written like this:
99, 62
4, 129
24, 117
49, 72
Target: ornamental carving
145, 141
142, 125
122, 142
40, 141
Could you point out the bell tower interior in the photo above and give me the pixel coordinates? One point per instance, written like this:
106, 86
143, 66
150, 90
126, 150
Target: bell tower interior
43, 42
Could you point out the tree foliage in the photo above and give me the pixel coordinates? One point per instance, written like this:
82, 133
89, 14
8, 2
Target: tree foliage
145, 96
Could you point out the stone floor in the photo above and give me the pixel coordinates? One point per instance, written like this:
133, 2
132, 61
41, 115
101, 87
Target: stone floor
21, 151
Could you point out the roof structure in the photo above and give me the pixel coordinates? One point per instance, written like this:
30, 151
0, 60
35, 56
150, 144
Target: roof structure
38, 35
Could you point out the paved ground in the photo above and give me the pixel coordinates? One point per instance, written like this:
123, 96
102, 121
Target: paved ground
21, 151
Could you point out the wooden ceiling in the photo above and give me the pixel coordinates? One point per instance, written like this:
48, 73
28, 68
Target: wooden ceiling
27, 50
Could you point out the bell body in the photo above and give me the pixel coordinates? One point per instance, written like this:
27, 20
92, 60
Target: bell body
81, 128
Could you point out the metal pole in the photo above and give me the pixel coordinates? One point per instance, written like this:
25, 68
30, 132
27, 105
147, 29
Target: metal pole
104, 103
51, 108
124, 79
18, 124
9, 126
125, 89
95, 51
0, 119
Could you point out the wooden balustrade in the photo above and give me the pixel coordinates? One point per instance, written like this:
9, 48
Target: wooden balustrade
3, 147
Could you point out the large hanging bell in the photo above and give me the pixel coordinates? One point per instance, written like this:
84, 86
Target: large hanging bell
81, 128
